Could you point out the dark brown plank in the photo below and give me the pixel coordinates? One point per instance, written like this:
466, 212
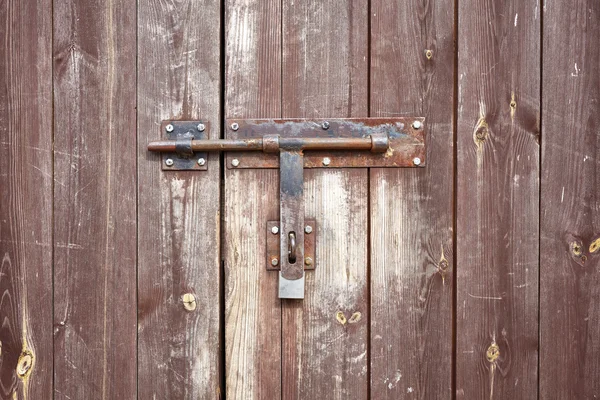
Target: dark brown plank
498, 199
94, 199
252, 309
412, 58
179, 215
570, 202
325, 59
25, 200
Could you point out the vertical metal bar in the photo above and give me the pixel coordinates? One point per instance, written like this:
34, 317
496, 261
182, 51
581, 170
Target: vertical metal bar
291, 203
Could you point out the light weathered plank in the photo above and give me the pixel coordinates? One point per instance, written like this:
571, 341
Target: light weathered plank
411, 219
94, 199
325, 60
25, 200
498, 199
252, 309
570, 202
179, 212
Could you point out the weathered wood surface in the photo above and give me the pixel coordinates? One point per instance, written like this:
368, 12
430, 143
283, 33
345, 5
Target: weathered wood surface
497, 199
570, 202
94, 199
26, 200
412, 73
178, 212
325, 336
252, 308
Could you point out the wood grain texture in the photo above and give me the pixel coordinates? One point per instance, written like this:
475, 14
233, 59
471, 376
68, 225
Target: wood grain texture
325, 336
26, 200
94, 199
252, 308
179, 212
411, 255
570, 202
498, 199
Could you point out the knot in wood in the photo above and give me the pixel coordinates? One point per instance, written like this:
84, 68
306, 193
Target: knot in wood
189, 301
493, 352
25, 363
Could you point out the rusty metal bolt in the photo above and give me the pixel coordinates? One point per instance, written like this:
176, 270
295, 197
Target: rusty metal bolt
325, 125
326, 161
169, 162
169, 128
308, 261
308, 229
275, 230
274, 262
235, 162
201, 127
417, 161
201, 161
235, 126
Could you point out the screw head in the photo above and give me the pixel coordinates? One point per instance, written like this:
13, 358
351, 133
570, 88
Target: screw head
201, 127
417, 125
169, 162
201, 161
308, 229
308, 261
235, 126
275, 230
235, 162
274, 261
417, 161
169, 128
326, 161
325, 125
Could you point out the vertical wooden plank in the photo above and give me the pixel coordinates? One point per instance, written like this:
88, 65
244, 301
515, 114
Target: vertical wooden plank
95, 199
412, 58
570, 202
26, 200
498, 199
252, 308
325, 336
179, 212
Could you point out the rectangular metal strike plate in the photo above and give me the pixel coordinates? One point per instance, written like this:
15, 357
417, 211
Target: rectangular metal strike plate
406, 141
185, 159
273, 245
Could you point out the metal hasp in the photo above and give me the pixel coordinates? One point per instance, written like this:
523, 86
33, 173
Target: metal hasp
329, 143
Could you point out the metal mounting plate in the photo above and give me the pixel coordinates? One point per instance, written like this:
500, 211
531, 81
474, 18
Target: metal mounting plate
183, 161
406, 142
273, 245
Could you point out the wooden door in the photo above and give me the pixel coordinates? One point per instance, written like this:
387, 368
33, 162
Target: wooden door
474, 276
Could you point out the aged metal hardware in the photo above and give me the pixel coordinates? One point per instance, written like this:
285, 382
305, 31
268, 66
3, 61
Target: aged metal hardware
273, 244
329, 143
182, 157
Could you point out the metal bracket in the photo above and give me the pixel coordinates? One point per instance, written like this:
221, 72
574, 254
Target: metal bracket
183, 158
367, 142
273, 238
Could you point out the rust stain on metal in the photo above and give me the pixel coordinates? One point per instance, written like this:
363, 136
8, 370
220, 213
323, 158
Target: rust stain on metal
405, 142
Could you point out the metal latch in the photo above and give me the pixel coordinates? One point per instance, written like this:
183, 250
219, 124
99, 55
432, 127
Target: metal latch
329, 143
